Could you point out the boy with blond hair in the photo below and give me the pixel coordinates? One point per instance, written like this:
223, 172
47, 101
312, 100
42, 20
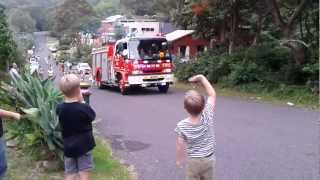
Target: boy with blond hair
76, 121
196, 133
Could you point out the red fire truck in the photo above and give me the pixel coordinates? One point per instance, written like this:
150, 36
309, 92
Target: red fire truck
134, 61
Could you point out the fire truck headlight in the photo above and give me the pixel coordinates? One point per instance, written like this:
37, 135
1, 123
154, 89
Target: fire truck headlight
136, 66
136, 72
167, 70
166, 65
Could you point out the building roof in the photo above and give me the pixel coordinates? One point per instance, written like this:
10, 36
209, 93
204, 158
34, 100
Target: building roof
113, 18
178, 34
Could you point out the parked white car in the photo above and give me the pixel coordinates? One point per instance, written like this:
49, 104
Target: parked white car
84, 68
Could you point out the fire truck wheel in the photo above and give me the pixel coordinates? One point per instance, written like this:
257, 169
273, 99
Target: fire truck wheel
101, 86
164, 89
124, 90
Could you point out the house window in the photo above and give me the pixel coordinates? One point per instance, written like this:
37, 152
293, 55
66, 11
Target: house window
133, 29
120, 48
200, 49
151, 29
182, 50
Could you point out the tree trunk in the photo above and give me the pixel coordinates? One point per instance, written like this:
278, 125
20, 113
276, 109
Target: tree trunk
256, 39
288, 27
234, 26
231, 45
297, 52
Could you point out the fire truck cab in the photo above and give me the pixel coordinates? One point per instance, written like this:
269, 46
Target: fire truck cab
134, 61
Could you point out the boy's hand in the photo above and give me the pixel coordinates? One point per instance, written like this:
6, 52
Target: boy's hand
80, 98
196, 78
17, 116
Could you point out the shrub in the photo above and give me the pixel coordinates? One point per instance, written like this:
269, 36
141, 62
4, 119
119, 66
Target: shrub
268, 63
40, 131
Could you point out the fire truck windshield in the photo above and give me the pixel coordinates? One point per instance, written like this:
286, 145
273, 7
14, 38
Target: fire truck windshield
148, 49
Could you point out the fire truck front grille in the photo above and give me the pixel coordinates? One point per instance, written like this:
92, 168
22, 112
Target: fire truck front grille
152, 70
158, 79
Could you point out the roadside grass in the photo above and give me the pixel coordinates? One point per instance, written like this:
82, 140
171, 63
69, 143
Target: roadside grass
106, 166
299, 96
23, 167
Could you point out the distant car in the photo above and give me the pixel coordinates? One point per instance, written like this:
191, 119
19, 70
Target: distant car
84, 68
53, 49
50, 73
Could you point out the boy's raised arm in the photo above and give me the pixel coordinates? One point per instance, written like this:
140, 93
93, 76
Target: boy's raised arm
206, 84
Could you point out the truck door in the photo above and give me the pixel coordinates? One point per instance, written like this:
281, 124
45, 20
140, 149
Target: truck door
105, 68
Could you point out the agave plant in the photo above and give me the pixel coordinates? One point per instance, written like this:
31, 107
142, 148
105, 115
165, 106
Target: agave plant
37, 99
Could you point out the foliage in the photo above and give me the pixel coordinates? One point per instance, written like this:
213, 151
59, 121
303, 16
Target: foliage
266, 63
40, 132
82, 54
106, 8
138, 7
63, 56
8, 52
106, 166
21, 21
24, 3
73, 15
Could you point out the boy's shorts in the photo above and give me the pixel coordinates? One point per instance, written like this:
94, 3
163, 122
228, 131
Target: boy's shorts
75, 165
201, 168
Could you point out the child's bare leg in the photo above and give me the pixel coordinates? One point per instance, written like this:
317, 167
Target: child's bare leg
71, 177
84, 175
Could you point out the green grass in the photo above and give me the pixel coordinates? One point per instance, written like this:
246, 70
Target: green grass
300, 96
106, 166
21, 167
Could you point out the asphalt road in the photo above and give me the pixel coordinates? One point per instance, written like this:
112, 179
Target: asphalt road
255, 141
42, 50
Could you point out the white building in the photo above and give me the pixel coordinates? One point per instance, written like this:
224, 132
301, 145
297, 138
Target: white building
141, 26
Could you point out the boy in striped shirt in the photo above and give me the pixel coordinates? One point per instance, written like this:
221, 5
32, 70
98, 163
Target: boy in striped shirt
196, 133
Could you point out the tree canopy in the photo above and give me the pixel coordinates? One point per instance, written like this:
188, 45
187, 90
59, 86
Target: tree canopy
7, 45
74, 15
21, 21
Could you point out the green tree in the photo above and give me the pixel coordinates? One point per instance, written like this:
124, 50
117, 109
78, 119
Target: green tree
8, 51
138, 7
73, 15
21, 21
106, 8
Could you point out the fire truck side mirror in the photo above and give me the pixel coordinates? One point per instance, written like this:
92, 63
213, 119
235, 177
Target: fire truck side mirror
125, 54
164, 45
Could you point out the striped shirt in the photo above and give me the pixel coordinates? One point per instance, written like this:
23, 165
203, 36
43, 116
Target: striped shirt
200, 138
